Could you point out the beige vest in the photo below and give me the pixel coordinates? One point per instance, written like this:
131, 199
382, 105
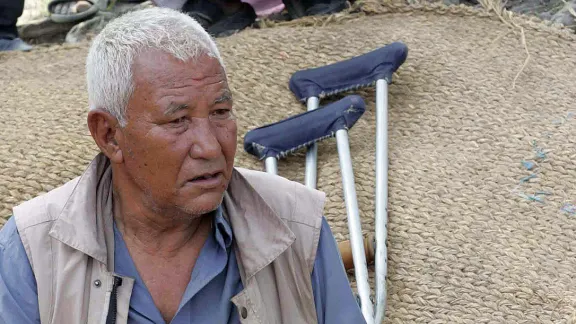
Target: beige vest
68, 237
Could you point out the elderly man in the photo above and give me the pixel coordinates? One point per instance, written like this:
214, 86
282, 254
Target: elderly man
161, 227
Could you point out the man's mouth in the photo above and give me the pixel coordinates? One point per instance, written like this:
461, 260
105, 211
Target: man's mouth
208, 180
207, 176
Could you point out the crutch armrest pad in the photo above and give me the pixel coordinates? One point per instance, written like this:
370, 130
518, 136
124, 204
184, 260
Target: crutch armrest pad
354, 73
299, 131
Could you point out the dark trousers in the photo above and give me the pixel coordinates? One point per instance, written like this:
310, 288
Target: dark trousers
10, 11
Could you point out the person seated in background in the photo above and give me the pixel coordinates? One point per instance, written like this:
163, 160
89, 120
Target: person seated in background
162, 227
225, 17
10, 11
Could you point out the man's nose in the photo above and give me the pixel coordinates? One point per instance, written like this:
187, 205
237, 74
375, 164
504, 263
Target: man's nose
205, 144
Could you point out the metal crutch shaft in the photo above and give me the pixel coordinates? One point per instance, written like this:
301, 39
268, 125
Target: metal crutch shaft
271, 165
381, 214
312, 153
354, 225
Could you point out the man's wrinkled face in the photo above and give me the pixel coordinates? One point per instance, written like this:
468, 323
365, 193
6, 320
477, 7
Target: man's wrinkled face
180, 138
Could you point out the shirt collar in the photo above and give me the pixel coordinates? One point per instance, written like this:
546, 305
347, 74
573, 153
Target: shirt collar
222, 230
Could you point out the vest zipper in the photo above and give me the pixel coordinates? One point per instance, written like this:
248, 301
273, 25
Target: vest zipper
113, 306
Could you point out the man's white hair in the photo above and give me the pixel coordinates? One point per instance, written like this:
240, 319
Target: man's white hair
110, 59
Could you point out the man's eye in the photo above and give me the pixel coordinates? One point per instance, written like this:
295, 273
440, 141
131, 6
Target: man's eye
178, 121
222, 114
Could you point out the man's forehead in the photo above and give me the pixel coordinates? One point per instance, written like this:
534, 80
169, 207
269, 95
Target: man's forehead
156, 66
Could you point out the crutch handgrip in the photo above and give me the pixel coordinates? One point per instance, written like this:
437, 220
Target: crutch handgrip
345, 248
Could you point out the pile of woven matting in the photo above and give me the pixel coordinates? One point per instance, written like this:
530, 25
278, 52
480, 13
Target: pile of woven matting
474, 236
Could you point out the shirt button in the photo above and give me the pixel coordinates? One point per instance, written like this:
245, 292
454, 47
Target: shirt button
97, 283
243, 312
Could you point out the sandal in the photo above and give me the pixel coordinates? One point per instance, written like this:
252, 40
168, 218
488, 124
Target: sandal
66, 11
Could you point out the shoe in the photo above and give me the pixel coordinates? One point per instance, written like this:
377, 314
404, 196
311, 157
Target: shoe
300, 8
205, 12
15, 44
231, 24
326, 8
66, 11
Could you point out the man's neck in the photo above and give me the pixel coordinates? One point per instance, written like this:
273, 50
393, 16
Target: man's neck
159, 243
155, 233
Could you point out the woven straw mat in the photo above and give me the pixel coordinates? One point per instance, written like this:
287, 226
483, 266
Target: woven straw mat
466, 242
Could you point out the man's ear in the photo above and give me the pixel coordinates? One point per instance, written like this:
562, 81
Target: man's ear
104, 129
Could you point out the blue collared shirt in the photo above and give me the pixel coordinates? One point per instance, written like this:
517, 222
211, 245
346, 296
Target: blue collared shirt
214, 280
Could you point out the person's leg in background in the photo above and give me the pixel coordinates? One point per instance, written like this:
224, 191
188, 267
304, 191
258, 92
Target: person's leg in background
221, 17
10, 11
301, 8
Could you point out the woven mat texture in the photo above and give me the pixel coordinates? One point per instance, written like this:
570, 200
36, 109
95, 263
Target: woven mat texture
464, 245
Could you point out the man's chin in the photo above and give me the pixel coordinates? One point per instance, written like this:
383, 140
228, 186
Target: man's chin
203, 204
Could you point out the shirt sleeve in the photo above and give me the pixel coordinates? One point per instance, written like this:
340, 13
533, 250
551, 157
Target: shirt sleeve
18, 294
335, 302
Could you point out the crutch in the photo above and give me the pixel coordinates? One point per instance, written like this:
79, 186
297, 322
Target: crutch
376, 67
275, 141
